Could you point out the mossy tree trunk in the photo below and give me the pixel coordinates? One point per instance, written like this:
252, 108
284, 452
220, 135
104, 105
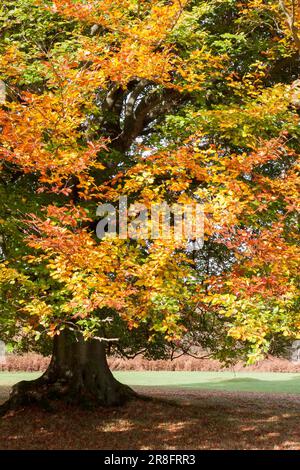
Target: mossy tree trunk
77, 374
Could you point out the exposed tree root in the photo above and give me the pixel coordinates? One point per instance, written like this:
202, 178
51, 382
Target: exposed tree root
78, 375
44, 393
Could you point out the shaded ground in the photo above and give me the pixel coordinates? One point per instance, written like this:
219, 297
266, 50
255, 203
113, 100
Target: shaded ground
176, 419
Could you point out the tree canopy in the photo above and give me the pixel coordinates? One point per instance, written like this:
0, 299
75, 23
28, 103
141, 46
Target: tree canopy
178, 101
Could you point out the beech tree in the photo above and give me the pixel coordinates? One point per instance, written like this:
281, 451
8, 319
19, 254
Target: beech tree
181, 102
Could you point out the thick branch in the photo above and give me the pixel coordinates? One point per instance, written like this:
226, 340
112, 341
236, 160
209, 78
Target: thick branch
129, 113
291, 21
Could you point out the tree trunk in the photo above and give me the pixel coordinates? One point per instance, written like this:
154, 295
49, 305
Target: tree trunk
78, 374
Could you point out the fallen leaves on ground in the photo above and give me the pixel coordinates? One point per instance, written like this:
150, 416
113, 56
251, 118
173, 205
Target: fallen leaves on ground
175, 419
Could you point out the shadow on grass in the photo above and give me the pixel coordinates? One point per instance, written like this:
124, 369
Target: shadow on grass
248, 384
208, 421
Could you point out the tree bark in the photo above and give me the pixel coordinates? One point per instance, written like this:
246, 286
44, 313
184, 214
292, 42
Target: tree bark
77, 374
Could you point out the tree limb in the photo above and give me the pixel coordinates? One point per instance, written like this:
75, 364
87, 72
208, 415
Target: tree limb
291, 20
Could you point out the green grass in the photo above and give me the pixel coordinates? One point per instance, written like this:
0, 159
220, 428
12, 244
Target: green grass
10, 378
264, 382
268, 382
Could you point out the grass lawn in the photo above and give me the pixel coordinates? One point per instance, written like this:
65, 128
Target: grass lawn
191, 410
261, 382
268, 382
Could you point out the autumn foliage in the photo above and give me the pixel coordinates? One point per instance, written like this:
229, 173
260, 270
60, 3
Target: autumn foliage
181, 101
